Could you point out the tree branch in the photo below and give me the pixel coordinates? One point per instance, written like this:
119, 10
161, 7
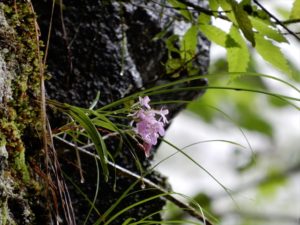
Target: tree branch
196, 8
291, 21
277, 20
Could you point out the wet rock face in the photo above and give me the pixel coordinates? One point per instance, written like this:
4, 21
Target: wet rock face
86, 52
108, 46
84, 55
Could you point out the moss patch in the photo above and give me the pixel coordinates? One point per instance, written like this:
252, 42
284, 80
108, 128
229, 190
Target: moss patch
19, 54
19, 110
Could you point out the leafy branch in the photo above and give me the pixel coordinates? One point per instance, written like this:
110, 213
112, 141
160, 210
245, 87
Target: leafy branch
277, 20
252, 23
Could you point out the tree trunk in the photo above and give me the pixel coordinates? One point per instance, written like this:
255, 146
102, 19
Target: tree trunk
105, 46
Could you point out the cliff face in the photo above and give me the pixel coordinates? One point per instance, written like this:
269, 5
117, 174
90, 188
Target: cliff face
106, 46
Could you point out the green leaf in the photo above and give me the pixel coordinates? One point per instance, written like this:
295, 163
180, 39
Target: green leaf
182, 9
266, 30
238, 56
295, 12
188, 43
105, 125
271, 184
170, 43
204, 19
277, 102
79, 115
102, 121
252, 120
245, 3
214, 34
214, 5
227, 7
198, 107
243, 21
272, 54
172, 65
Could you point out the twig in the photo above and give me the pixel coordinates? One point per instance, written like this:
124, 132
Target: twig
67, 44
188, 209
277, 20
49, 33
60, 183
196, 8
199, 8
285, 33
291, 21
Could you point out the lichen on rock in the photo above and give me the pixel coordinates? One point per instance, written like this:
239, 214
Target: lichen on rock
19, 77
19, 110
6, 75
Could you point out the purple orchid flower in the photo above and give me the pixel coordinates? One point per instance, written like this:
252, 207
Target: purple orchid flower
149, 123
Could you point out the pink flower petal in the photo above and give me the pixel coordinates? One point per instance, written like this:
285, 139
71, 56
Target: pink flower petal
145, 102
149, 123
163, 114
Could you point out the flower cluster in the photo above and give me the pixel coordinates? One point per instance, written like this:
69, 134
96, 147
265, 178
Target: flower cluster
149, 123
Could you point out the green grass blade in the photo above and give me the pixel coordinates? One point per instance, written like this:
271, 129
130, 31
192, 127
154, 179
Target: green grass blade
96, 193
169, 222
95, 101
95, 136
128, 221
201, 167
153, 90
113, 206
134, 205
82, 193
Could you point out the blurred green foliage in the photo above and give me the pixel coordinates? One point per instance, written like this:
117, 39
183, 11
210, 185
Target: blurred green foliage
254, 34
